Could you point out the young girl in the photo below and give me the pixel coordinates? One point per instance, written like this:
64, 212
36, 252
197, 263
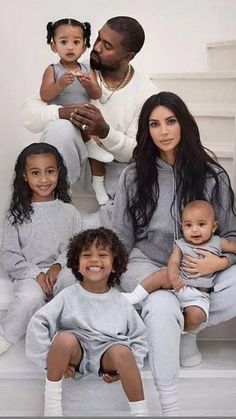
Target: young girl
89, 327
69, 82
198, 224
36, 232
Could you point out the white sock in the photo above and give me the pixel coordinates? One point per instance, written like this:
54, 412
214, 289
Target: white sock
190, 356
138, 408
169, 400
52, 399
4, 345
99, 189
98, 153
138, 294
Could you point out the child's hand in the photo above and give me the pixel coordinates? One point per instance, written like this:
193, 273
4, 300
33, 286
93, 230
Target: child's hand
177, 283
85, 80
66, 79
52, 274
111, 377
70, 371
44, 284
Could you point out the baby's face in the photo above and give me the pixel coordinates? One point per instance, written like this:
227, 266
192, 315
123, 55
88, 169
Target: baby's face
198, 225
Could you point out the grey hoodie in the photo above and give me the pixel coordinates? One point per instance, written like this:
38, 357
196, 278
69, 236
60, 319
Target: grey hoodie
157, 239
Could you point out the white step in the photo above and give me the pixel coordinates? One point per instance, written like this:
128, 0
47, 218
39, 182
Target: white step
210, 87
205, 390
222, 55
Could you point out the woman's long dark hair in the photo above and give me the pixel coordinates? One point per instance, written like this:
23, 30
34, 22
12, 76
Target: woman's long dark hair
193, 164
21, 207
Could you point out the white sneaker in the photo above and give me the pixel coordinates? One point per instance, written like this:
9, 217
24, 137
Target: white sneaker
98, 153
4, 345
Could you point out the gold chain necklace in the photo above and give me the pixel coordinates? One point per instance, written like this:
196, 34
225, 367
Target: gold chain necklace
122, 84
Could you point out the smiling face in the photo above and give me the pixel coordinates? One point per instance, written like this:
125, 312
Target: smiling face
165, 131
198, 223
41, 173
96, 265
68, 43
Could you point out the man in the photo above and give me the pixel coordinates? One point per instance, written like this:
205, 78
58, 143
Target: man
112, 118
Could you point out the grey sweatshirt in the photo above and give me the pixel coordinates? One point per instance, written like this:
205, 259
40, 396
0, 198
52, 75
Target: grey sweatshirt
98, 321
157, 239
30, 247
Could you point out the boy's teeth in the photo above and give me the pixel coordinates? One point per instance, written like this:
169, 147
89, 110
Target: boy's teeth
94, 268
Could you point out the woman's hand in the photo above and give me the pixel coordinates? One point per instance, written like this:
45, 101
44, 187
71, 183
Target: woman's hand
205, 265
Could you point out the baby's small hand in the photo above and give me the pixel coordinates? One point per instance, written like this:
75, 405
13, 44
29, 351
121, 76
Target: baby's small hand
77, 73
66, 79
177, 283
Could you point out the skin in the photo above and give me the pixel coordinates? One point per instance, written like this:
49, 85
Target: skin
112, 58
165, 131
41, 174
65, 352
69, 44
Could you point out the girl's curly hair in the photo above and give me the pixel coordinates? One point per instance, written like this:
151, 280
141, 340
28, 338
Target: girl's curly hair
101, 237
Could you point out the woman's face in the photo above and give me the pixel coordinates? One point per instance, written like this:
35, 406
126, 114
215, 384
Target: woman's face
165, 131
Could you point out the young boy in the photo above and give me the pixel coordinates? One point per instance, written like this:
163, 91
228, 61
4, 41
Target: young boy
89, 327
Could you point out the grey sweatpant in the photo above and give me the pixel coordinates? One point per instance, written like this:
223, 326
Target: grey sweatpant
28, 298
67, 139
164, 320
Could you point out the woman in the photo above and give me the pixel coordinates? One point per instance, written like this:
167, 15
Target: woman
171, 167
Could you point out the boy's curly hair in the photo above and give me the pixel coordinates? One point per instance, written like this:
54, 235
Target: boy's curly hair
101, 237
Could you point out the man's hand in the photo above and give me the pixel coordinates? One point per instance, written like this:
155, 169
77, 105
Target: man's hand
90, 116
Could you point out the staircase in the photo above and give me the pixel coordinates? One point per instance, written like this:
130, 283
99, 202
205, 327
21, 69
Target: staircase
211, 98
205, 390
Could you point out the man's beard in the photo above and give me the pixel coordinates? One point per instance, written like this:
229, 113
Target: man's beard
96, 64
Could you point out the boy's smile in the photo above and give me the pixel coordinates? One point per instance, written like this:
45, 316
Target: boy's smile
96, 265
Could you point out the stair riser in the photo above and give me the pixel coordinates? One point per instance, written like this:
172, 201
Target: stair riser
200, 90
222, 58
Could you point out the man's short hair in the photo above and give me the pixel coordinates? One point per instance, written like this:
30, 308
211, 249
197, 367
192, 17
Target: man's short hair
131, 30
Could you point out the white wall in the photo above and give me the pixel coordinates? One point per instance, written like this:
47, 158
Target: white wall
176, 35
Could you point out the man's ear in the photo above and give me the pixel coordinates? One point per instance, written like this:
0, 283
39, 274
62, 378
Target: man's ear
129, 56
53, 47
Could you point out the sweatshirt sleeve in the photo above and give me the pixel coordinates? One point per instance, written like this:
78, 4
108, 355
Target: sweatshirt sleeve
138, 335
122, 144
76, 227
121, 221
41, 329
36, 114
226, 219
12, 259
